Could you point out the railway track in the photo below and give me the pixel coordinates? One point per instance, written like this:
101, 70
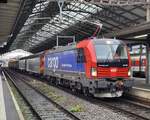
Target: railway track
25, 108
44, 107
140, 112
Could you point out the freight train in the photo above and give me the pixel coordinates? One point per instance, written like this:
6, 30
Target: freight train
98, 67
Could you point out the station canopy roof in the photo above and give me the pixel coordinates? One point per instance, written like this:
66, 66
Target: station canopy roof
41, 22
8, 16
14, 55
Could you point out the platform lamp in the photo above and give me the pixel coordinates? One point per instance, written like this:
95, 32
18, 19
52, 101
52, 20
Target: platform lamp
148, 59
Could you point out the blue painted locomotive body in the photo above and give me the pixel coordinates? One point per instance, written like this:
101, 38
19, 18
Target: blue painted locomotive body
63, 61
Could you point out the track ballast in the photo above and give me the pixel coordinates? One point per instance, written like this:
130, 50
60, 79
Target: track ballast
44, 107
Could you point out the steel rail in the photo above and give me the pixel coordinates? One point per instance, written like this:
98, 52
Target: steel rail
15, 85
70, 114
122, 110
102, 102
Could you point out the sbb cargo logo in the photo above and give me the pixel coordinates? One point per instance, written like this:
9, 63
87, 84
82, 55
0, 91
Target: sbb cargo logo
3, 1
53, 63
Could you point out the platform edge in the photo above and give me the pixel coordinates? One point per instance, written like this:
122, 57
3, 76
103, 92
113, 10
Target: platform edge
21, 117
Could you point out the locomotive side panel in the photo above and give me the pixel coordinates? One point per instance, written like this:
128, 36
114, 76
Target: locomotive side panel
90, 57
63, 64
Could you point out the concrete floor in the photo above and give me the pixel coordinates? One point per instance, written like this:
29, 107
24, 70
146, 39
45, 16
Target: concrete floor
7, 109
141, 83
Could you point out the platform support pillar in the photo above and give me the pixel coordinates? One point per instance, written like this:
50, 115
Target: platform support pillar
148, 64
148, 12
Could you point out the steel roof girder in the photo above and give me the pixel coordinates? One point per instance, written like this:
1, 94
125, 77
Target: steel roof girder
20, 21
130, 12
109, 13
95, 16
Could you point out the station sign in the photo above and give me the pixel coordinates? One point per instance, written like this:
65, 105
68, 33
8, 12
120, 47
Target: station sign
3, 1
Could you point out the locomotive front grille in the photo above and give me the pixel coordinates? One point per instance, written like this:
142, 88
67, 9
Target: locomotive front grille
107, 72
101, 72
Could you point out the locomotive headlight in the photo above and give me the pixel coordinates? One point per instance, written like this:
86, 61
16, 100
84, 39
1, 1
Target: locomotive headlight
129, 72
93, 72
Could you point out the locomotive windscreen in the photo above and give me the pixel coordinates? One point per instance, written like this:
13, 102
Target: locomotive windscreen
110, 51
114, 55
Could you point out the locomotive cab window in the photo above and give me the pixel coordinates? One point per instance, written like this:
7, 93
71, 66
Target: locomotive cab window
80, 55
112, 51
120, 51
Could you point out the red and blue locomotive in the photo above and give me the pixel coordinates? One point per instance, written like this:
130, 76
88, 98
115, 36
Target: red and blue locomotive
95, 66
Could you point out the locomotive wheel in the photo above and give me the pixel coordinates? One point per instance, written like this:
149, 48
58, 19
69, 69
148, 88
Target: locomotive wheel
73, 90
56, 82
86, 91
50, 80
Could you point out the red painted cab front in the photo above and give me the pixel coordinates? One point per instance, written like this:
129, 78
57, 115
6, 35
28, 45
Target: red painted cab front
106, 58
107, 65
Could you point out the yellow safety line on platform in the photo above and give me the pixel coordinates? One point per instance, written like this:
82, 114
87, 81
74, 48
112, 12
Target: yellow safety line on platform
2, 102
14, 100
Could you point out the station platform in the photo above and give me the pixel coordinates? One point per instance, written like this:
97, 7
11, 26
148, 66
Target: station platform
140, 89
9, 109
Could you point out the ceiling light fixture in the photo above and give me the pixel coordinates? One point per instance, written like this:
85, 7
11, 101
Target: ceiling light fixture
140, 36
